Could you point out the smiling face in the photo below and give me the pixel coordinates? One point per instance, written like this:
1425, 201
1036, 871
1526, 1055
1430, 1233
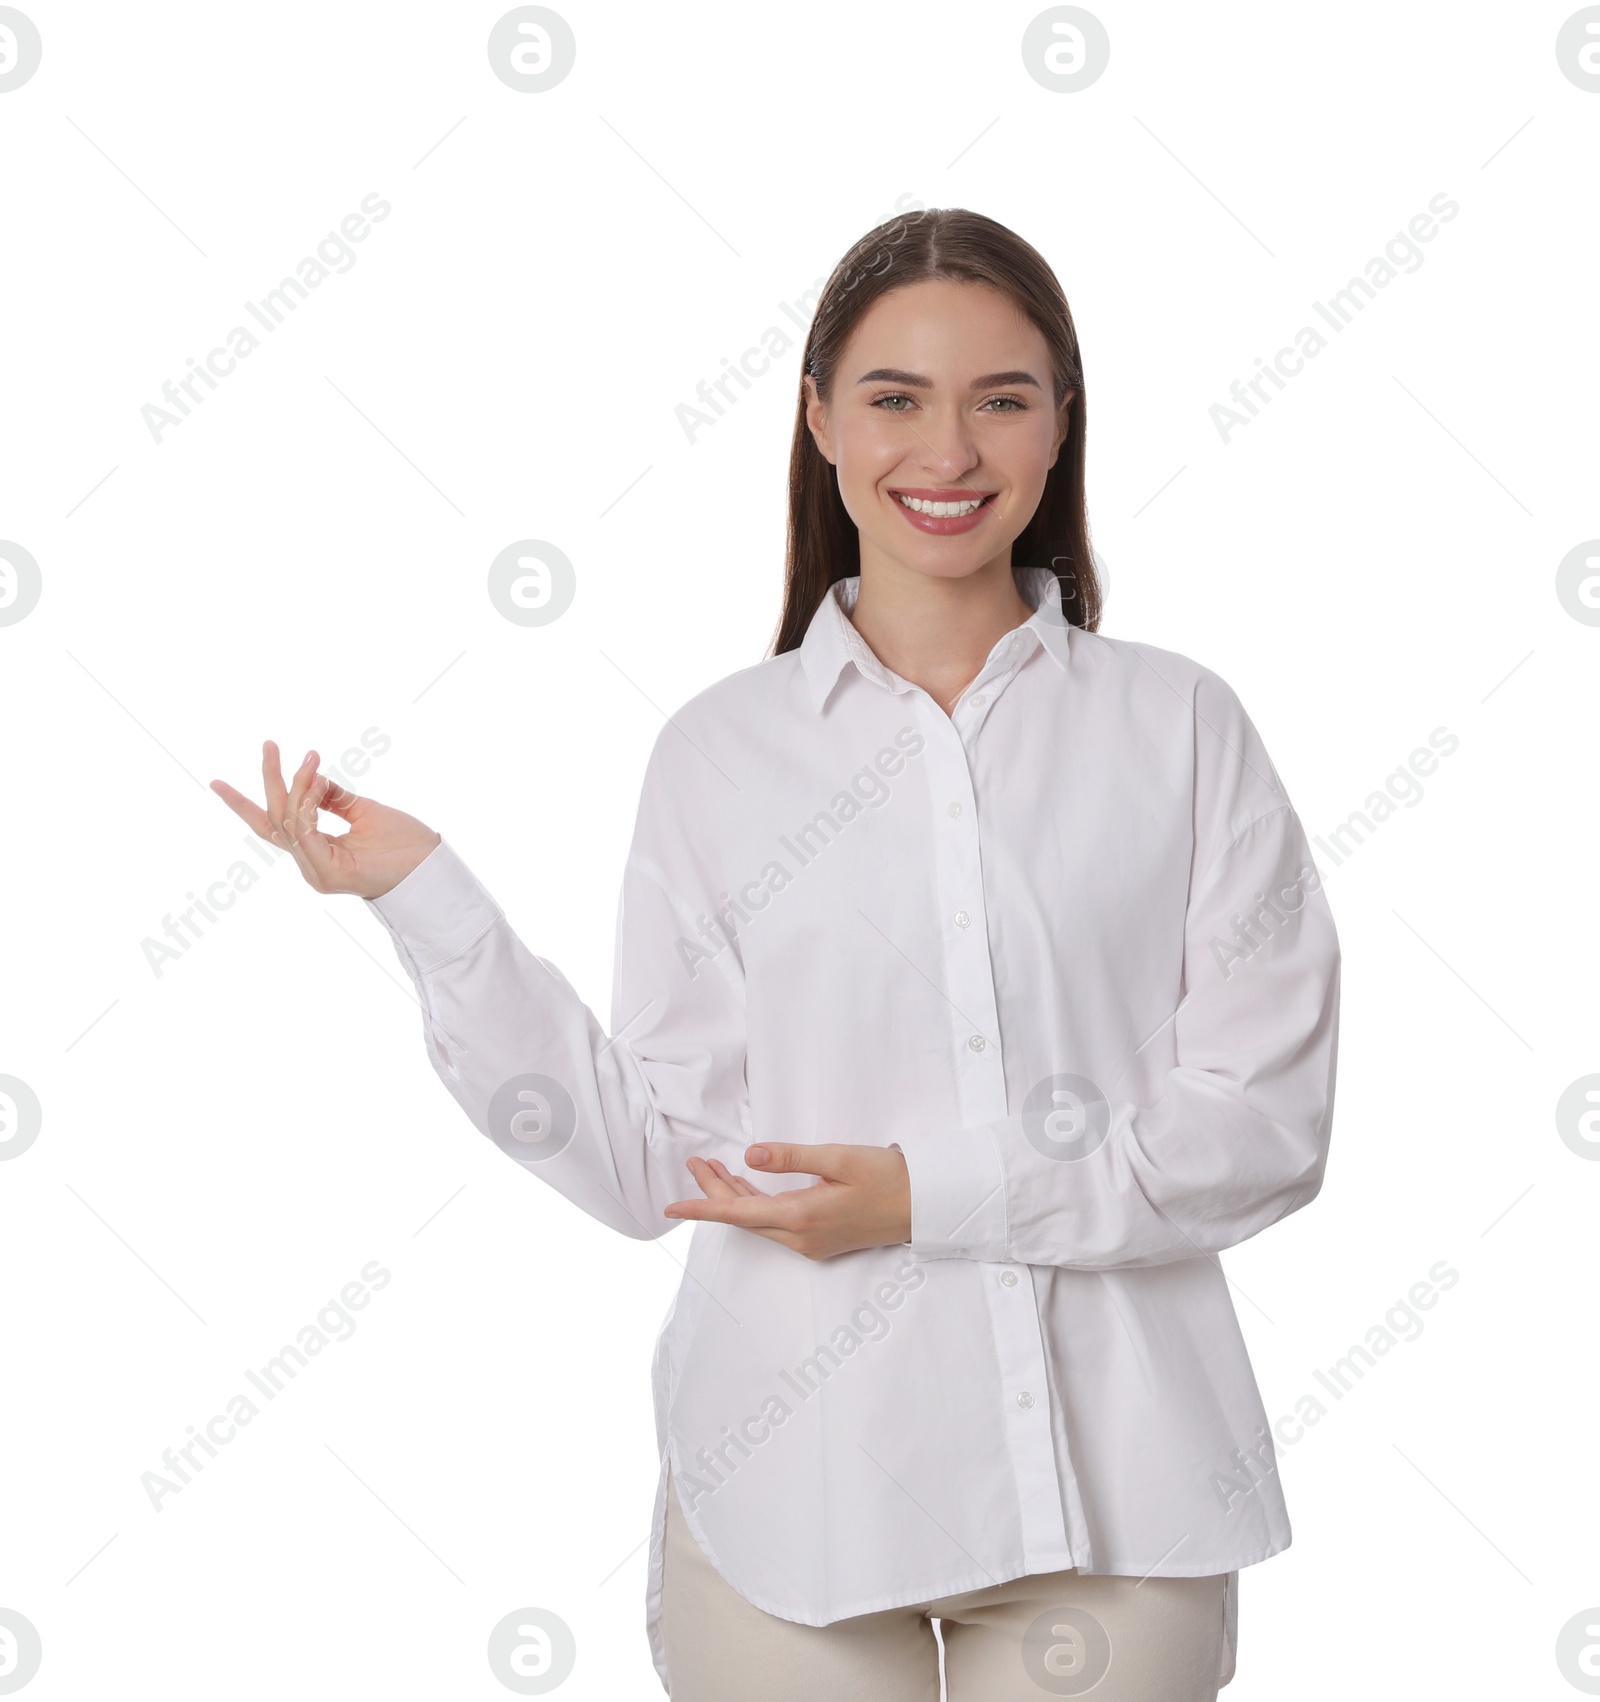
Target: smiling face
942, 427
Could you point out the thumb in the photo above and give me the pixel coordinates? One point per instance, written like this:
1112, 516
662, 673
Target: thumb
782, 1156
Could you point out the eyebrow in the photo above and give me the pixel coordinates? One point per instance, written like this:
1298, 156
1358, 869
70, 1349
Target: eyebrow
916, 381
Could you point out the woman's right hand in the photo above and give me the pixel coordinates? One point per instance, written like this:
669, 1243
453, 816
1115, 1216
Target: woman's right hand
382, 847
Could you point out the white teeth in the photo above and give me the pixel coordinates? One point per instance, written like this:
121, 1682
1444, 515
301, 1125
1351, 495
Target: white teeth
941, 510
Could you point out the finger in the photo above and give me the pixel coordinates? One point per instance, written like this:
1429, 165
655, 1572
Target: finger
765, 1211
321, 845
830, 1160
712, 1185
287, 817
295, 816
277, 792
256, 818
310, 848
731, 1210
740, 1184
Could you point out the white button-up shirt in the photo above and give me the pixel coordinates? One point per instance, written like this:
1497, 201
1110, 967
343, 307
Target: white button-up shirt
1066, 948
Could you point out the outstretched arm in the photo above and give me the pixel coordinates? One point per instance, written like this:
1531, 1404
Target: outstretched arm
607, 1119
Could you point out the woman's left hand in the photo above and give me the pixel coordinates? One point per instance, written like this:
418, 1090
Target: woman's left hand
863, 1199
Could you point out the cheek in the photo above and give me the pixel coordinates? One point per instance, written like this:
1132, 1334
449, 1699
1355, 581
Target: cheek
875, 432
868, 450
1026, 455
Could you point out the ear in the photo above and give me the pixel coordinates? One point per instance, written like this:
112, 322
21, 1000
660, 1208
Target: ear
1063, 425
816, 416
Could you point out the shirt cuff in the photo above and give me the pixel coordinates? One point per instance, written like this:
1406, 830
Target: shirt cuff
437, 911
958, 1194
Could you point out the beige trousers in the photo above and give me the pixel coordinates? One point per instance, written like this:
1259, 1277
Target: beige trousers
1113, 1639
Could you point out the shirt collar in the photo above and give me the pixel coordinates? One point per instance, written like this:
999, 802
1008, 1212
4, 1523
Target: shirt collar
831, 641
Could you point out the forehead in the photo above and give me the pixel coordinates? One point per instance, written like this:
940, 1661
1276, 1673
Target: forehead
945, 323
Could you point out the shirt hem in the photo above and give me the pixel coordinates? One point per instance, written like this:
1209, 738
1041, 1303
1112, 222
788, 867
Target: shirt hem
969, 1583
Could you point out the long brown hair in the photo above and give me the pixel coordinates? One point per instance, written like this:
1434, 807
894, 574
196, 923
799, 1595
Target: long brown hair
936, 242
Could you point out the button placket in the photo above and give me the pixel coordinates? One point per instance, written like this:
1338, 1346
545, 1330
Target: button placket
958, 885
980, 1073
1043, 1494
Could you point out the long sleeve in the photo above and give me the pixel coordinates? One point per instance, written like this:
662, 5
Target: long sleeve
1237, 1139
606, 1119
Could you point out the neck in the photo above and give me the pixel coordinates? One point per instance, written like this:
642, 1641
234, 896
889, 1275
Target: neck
935, 632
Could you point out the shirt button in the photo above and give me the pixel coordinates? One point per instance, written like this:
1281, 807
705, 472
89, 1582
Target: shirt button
1024, 1399
953, 808
976, 1042
1009, 1278
963, 920
979, 701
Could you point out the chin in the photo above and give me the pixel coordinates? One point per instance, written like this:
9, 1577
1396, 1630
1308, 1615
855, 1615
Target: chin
946, 564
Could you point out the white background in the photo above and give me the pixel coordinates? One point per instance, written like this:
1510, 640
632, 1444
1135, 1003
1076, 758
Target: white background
227, 1143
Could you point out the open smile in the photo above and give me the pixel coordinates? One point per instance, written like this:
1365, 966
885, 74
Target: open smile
944, 512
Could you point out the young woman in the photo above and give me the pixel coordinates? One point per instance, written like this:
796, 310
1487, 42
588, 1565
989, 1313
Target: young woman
974, 989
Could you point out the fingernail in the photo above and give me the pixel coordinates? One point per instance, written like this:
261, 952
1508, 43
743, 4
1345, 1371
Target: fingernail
759, 1155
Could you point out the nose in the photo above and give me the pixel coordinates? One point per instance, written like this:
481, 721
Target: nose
946, 444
